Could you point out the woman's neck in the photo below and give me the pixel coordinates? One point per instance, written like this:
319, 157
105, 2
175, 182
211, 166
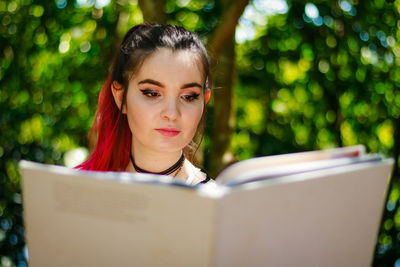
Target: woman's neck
153, 162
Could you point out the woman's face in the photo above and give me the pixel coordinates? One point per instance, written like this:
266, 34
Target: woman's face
165, 101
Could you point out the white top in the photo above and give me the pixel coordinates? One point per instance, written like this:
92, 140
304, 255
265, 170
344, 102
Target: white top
195, 175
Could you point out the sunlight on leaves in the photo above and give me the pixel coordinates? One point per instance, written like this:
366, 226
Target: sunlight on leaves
385, 133
348, 135
31, 130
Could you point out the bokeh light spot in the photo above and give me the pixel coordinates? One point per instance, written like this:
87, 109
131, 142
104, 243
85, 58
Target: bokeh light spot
311, 11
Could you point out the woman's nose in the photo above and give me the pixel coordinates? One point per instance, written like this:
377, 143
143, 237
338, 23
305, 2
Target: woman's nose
170, 110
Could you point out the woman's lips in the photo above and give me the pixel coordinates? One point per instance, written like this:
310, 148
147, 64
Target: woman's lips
170, 132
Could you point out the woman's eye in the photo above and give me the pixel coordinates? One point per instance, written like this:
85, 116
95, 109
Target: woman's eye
191, 97
149, 93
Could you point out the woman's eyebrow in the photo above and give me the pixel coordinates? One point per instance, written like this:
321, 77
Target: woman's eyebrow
151, 82
157, 83
189, 85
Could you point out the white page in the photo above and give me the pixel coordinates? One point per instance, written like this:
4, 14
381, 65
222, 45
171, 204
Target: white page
73, 220
269, 172
243, 167
322, 218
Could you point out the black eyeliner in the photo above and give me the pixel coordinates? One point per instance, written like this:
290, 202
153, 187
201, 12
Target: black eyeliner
149, 92
195, 95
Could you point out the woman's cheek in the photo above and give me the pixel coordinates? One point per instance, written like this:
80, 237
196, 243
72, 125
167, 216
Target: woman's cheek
196, 117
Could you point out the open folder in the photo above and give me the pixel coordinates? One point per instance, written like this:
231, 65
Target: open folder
319, 208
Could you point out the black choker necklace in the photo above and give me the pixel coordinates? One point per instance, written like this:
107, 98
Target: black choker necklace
168, 171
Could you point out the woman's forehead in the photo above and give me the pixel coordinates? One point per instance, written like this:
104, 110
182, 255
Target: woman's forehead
167, 63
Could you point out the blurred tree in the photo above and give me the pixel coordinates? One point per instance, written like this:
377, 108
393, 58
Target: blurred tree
55, 57
222, 46
153, 11
306, 75
324, 74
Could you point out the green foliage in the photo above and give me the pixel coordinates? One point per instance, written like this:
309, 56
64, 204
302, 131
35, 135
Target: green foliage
56, 58
325, 81
200, 16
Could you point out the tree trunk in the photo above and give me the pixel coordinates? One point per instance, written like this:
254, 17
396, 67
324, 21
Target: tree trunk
153, 11
227, 26
223, 115
222, 47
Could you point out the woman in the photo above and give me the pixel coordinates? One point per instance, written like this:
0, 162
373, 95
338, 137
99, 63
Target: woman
152, 104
